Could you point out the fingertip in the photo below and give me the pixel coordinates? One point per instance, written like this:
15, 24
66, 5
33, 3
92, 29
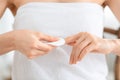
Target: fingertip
68, 40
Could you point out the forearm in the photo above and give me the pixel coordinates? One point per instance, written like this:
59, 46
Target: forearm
115, 46
6, 42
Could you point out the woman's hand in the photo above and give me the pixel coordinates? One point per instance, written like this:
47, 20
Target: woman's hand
31, 44
84, 43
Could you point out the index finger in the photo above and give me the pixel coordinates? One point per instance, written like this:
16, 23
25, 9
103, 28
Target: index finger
72, 39
47, 37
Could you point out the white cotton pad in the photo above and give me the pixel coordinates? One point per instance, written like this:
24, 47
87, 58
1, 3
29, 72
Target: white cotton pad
60, 42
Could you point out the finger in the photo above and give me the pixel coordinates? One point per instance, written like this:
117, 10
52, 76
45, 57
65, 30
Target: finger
73, 60
72, 54
81, 38
47, 37
86, 50
72, 39
77, 41
44, 47
80, 47
72, 44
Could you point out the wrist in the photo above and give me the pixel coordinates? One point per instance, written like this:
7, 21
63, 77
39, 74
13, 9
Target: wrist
112, 45
116, 46
106, 46
10, 40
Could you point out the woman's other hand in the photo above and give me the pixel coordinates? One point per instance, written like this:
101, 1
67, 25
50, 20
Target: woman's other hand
84, 43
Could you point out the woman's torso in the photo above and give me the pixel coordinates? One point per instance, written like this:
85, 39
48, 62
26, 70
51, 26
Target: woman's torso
60, 19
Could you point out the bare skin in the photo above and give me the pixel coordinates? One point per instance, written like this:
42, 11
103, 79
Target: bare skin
32, 45
84, 43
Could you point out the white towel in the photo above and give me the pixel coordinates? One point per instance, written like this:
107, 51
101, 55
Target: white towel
62, 20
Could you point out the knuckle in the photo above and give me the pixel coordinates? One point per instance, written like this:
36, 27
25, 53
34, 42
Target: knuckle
86, 33
80, 33
33, 45
31, 53
39, 33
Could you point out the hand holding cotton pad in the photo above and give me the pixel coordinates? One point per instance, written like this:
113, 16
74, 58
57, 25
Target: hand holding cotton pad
60, 42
